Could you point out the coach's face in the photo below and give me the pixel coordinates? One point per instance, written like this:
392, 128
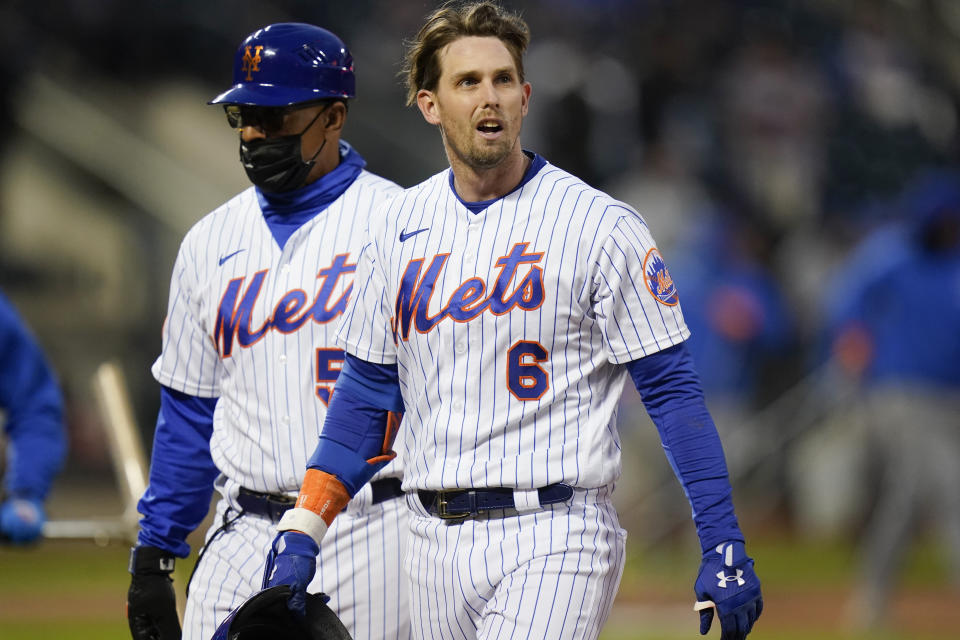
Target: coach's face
317, 125
479, 103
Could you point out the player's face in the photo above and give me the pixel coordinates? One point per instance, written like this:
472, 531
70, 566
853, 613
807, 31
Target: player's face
479, 103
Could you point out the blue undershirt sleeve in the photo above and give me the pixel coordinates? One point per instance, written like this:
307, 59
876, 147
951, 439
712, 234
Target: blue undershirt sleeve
30, 395
670, 389
182, 472
355, 428
378, 383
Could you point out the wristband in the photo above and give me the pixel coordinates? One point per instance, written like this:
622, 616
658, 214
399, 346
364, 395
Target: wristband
147, 560
304, 521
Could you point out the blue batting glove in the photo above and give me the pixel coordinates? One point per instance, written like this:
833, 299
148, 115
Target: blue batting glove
727, 582
292, 561
21, 519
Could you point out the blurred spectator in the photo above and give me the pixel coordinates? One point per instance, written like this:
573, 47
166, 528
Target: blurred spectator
741, 331
737, 315
33, 404
894, 327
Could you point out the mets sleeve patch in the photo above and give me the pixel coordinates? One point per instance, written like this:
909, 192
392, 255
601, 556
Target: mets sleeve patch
658, 280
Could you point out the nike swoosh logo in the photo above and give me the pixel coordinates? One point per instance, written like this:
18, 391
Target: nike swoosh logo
406, 236
230, 255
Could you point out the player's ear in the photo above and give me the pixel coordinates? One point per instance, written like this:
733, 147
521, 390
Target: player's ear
525, 101
335, 116
427, 103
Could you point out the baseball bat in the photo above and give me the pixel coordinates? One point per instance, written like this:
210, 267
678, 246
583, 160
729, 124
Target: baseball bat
129, 464
126, 449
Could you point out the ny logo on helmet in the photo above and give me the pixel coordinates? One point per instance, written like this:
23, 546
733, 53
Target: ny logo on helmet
251, 63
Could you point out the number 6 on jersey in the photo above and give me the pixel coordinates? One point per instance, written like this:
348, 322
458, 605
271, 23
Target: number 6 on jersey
526, 379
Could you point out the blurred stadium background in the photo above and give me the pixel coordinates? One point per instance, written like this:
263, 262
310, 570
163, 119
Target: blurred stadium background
764, 142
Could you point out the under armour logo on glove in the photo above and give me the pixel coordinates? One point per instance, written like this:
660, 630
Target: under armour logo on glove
727, 583
725, 578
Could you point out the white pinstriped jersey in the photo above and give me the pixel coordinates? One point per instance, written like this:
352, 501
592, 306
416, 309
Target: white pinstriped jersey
254, 325
509, 328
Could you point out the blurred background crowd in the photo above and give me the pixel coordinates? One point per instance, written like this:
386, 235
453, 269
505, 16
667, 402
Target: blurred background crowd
796, 160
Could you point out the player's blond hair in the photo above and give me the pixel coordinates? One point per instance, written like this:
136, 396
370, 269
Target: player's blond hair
452, 21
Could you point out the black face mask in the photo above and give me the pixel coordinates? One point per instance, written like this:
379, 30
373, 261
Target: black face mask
276, 164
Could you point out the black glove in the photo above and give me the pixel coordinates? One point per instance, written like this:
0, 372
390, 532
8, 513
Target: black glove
151, 602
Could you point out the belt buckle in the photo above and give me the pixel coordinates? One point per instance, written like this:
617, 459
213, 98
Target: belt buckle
442, 508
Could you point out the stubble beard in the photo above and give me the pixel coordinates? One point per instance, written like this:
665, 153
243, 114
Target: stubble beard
478, 156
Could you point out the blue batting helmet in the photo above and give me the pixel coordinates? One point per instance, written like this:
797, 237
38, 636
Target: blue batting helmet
288, 63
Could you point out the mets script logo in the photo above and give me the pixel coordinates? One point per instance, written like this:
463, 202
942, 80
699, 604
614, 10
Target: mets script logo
290, 313
251, 63
472, 297
659, 282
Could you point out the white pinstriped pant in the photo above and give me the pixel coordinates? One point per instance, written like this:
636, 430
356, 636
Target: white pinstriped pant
551, 573
359, 567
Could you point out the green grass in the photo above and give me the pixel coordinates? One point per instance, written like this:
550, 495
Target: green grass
77, 591
74, 630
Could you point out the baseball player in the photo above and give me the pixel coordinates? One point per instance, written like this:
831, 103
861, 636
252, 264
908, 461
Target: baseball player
32, 404
906, 367
503, 304
249, 359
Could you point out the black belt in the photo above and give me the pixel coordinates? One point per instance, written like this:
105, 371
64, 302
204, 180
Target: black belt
273, 506
456, 504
